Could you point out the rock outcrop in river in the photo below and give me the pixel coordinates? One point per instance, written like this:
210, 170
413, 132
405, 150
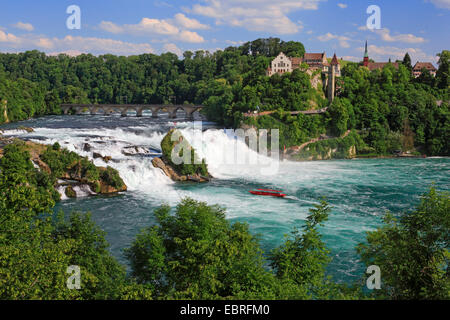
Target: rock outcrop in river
191, 168
73, 175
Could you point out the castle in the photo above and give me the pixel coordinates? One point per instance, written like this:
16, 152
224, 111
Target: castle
316, 61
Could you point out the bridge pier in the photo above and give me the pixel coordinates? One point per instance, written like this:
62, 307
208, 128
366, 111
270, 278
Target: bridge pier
189, 112
155, 112
78, 110
173, 114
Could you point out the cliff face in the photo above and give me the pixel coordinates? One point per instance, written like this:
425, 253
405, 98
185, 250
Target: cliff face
191, 167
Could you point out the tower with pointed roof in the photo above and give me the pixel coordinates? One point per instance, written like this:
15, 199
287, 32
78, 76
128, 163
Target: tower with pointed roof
366, 57
333, 72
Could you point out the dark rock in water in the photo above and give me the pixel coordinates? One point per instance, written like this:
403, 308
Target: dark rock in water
168, 170
136, 151
87, 147
174, 175
27, 129
97, 155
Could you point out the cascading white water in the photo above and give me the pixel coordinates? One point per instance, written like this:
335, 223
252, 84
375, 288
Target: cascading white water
138, 172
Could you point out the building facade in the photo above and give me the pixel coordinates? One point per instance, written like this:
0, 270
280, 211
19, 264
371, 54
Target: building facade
283, 64
417, 70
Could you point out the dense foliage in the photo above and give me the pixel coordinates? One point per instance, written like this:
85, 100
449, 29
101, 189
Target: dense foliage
36, 248
35, 84
196, 253
413, 251
392, 101
232, 82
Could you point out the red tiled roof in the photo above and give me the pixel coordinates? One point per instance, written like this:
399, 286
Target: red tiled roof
427, 65
314, 56
334, 61
296, 62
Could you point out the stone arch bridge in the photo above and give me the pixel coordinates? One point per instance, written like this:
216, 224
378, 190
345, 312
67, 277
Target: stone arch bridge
123, 109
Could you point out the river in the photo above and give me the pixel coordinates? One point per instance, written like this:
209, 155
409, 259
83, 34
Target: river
360, 191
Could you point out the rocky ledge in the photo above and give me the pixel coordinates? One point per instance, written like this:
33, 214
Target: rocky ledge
73, 175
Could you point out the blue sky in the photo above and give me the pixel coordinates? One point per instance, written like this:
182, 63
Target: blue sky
420, 27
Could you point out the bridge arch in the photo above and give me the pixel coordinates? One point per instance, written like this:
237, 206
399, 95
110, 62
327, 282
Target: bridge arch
108, 109
98, 111
125, 111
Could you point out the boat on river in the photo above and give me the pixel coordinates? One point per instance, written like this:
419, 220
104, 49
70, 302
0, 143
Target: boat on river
268, 193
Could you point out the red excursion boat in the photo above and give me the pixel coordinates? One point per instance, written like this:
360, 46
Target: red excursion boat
269, 193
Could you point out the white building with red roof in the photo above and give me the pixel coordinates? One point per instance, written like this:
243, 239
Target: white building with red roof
283, 64
417, 69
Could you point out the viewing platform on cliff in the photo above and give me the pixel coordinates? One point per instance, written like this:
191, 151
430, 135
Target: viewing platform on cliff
292, 113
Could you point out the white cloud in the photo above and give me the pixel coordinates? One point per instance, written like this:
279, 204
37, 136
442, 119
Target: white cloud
148, 26
185, 22
234, 43
101, 45
342, 5
8, 37
145, 26
172, 47
24, 26
261, 15
111, 27
407, 38
73, 44
352, 58
385, 35
343, 41
190, 36
444, 4
384, 53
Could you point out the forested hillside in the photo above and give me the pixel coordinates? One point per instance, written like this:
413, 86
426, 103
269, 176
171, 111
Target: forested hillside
388, 105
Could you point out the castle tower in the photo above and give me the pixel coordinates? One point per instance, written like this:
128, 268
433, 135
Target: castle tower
333, 72
366, 57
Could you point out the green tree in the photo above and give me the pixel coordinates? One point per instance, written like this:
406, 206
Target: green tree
303, 257
407, 62
412, 251
443, 73
197, 254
